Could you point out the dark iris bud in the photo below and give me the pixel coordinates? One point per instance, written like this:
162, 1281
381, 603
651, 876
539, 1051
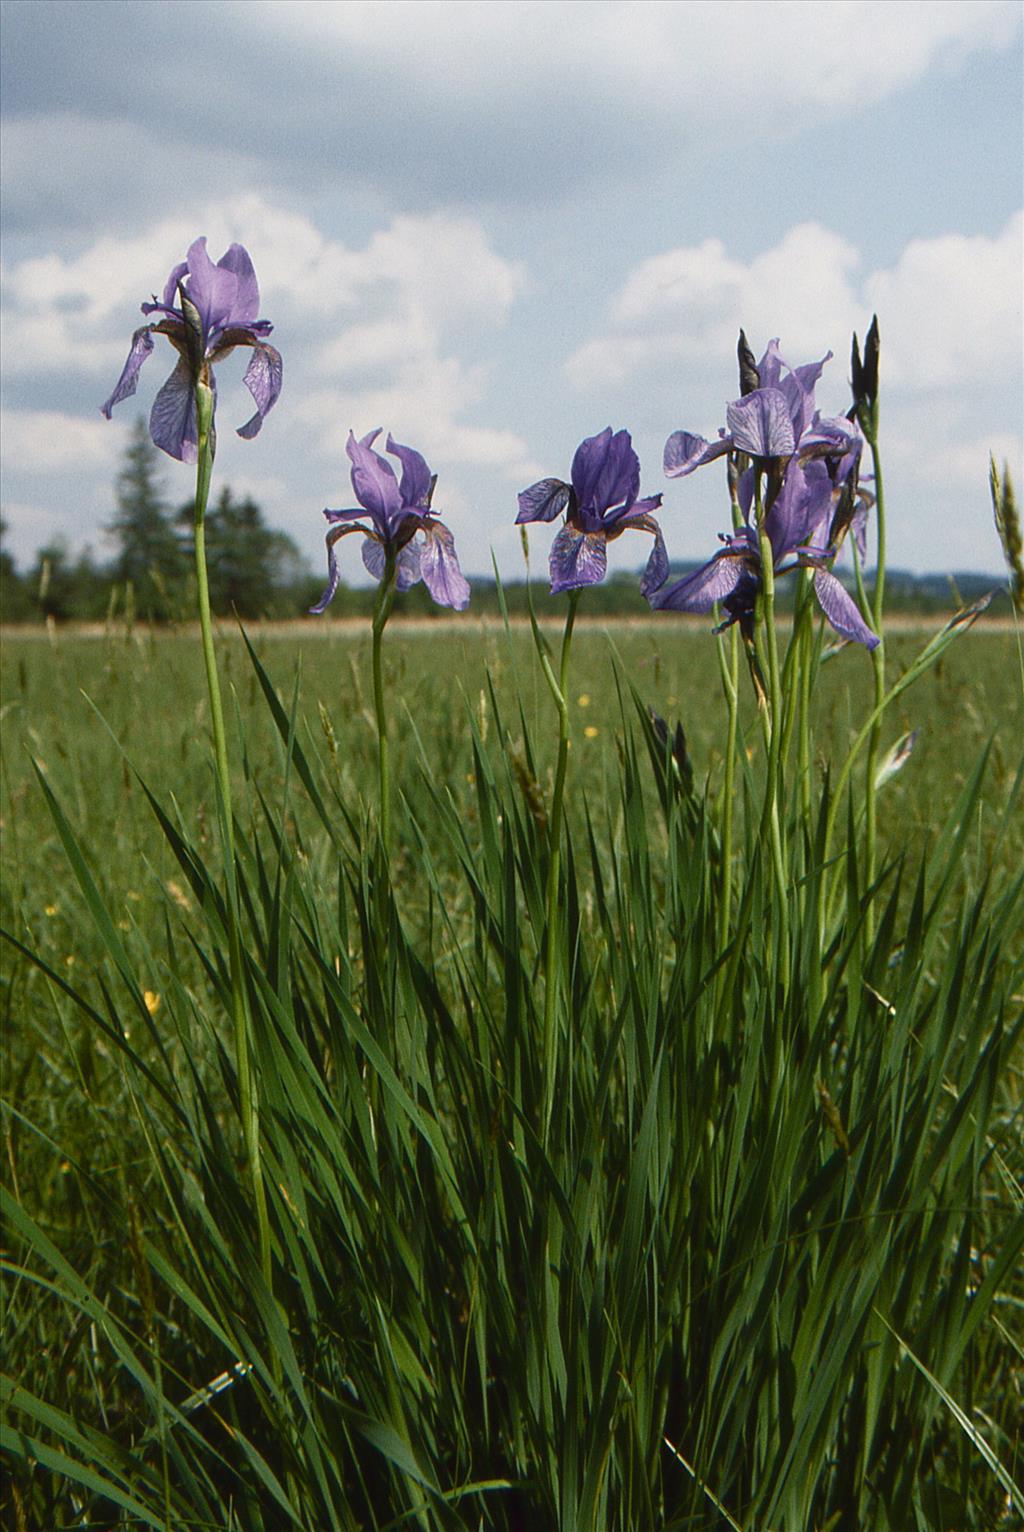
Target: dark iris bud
864, 378
750, 378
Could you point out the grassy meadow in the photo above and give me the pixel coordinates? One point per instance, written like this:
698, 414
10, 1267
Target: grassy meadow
756, 1260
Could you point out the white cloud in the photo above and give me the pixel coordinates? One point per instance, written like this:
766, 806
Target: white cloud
47, 441
820, 58
949, 309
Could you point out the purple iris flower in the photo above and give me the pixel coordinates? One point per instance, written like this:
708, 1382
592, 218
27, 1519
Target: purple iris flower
804, 527
773, 420
216, 311
600, 504
389, 515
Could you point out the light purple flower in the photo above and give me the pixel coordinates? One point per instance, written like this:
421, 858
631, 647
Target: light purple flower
774, 420
800, 525
208, 311
389, 515
600, 504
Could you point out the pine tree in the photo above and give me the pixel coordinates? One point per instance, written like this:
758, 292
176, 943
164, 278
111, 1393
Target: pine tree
149, 553
252, 567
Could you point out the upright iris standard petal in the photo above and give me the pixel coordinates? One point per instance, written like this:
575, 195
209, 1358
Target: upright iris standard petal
600, 504
208, 310
373, 480
417, 482
392, 516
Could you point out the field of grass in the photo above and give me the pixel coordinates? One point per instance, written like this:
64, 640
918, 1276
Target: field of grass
760, 1269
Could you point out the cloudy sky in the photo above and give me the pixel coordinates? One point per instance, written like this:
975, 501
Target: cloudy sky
494, 228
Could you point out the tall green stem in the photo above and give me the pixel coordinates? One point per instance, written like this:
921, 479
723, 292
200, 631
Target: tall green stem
553, 946
878, 662
731, 680
248, 1100
381, 613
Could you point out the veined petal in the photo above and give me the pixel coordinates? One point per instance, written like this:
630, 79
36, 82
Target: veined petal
605, 473
841, 609
142, 345
374, 481
684, 452
417, 482
263, 380
172, 421
698, 592
760, 424
439, 566
543, 501
577, 559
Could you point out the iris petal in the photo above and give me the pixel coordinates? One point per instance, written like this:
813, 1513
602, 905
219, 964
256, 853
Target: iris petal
172, 422
263, 380
841, 610
439, 566
142, 345
577, 559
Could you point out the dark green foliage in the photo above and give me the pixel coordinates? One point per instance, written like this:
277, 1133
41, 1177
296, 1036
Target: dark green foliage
149, 563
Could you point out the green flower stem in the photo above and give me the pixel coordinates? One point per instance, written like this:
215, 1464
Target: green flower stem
248, 1099
773, 714
878, 662
730, 671
553, 949
381, 612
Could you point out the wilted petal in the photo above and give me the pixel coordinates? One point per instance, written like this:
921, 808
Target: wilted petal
685, 452
859, 530
841, 609
698, 592
605, 473
142, 345
417, 481
373, 480
439, 566
577, 559
760, 424
172, 422
263, 380
333, 572
543, 501
656, 572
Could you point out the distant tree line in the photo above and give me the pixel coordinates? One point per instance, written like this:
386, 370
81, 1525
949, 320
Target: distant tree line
256, 571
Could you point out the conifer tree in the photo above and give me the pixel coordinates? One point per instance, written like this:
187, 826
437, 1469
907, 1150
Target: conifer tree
149, 553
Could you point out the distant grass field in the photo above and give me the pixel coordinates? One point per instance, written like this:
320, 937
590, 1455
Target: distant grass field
149, 690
